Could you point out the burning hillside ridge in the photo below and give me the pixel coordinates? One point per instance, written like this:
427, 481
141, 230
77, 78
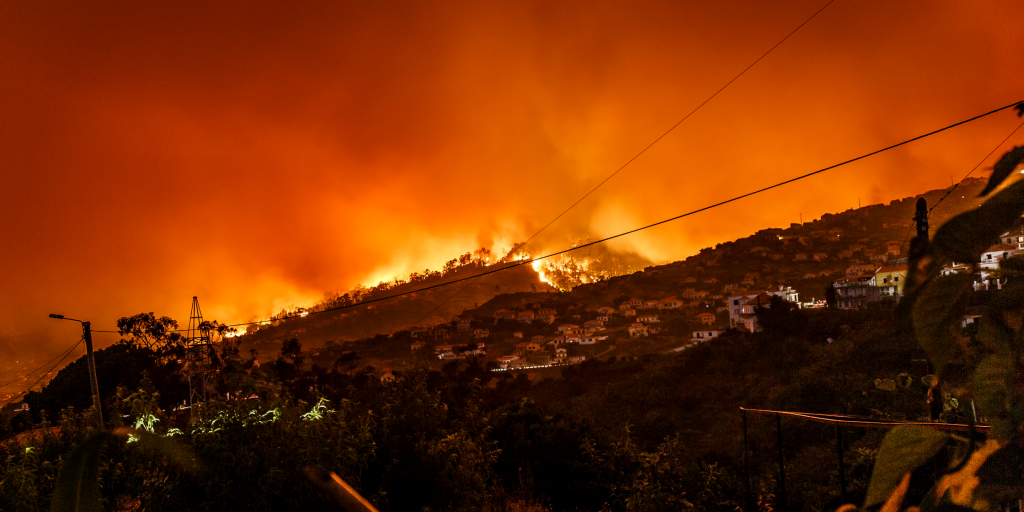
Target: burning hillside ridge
587, 265
563, 272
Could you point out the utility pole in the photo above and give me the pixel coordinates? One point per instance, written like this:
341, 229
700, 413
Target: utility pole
935, 398
91, 363
93, 383
921, 218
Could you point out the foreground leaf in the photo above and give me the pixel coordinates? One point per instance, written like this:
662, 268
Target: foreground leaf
964, 237
938, 309
1004, 167
78, 484
993, 381
904, 449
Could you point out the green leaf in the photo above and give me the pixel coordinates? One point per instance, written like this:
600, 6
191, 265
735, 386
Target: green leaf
166, 446
964, 237
938, 309
1004, 167
994, 333
78, 484
904, 449
993, 381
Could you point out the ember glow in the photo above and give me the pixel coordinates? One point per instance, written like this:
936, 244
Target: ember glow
260, 155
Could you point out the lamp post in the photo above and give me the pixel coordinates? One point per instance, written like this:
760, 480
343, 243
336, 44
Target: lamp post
93, 383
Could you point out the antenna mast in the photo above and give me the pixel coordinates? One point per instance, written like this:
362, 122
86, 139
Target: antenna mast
198, 356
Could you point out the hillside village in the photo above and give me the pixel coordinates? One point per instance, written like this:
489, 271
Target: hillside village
859, 253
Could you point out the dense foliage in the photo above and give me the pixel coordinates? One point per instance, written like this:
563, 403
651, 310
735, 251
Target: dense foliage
660, 432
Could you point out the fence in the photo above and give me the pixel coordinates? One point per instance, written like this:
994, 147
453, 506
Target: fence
841, 422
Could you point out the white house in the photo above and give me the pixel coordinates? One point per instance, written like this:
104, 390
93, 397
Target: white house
702, 336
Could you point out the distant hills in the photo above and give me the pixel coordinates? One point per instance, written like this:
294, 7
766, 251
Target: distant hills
805, 256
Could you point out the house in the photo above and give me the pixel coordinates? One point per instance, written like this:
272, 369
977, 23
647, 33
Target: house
820, 256
504, 314
891, 279
539, 339
633, 303
517, 334
800, 257
575, 331
593, 325
538, 360
603, 318
879, 258
856, 291
788, 293
845, 254
893, 247
810, 275
1013, 237
508, 361
776, 256
417, 332
416, 346
670, 303
525, 316
759, 251
991, 257
577, 359
748, 313
440, 333
527, 347
648, 318
565, 327
652, 304
481, 333
956, 269
712, 281
690, 279
606, 310
444, 349
629, 312
546, 315
859, 270
735, 304
637, 330
463, 324
702, 336
706, 318
561, 356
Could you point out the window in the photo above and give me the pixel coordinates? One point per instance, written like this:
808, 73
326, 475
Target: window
896, 279
736, 302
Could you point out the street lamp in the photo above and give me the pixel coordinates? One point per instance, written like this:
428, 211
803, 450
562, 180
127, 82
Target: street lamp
93, 383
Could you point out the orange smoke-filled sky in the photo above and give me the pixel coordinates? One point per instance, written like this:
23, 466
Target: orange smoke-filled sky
259, 154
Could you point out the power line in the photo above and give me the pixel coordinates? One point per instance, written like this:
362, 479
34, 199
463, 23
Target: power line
642, 151
698, 107
665, 221
40, 367
43, 376
693, 212
954, 187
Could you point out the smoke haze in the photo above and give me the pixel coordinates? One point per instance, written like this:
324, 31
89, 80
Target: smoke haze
260, 154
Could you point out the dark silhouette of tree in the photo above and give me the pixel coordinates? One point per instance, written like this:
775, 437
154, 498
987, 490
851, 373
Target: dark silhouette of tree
146, 330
